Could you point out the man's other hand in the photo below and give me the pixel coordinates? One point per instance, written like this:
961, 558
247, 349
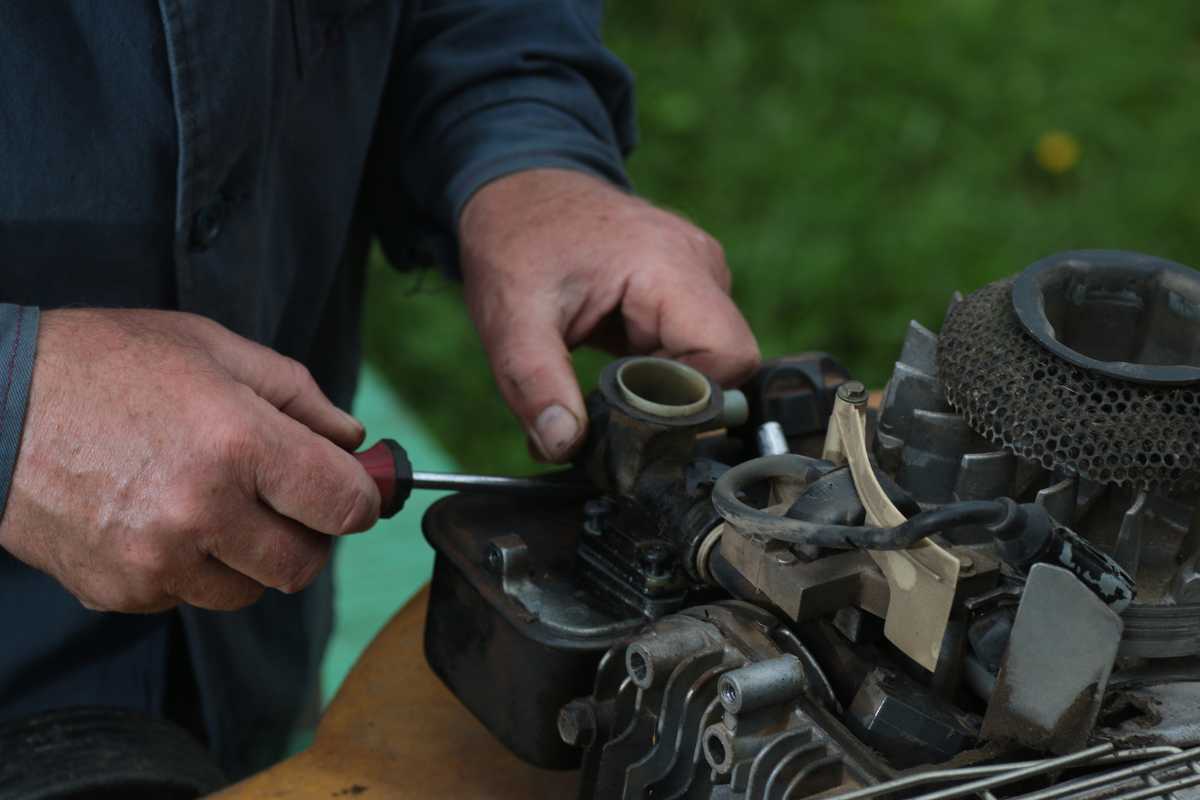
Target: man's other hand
552, 259
165, 459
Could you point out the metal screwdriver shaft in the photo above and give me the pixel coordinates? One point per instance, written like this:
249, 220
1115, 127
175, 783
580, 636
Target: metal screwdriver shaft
497, 484
388, 465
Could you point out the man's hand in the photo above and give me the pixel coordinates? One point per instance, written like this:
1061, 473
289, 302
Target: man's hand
553, 259
166, 460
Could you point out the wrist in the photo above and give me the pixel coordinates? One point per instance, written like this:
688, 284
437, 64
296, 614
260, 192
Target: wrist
516, 192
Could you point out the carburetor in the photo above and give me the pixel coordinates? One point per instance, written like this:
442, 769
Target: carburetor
983, 583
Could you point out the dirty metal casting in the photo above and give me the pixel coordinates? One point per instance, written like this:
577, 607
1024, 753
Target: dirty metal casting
746, 607
1047, 696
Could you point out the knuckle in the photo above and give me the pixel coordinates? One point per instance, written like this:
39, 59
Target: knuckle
186, 514
242, 397
248, 597
340, 497
298, 372
234, 440
137, 595
710, 245
195, 320
235, 597
98, 598
723, 276
747, 357
713, 253
305, 569
522, 379
357, 510
296, 377
197, 324
150, 562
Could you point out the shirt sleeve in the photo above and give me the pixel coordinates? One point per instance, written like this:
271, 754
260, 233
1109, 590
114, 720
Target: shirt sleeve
18, 346
485, 88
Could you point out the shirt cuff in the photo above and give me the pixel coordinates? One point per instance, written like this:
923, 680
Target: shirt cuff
18, 346
503, 140
483, 157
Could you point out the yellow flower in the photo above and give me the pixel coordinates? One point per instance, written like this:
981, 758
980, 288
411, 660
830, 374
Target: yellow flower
1057, 152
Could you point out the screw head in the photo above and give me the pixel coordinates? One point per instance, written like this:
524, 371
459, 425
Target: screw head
852, 392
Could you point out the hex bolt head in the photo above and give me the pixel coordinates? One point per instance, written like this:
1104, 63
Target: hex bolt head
577, 723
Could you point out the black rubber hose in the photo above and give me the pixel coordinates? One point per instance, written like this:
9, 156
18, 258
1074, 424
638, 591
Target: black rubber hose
845, 537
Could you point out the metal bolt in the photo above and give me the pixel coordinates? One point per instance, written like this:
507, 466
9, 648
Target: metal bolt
595, 511
785, 557
655, 559
494, 559
852, 392
577, 723
771, 439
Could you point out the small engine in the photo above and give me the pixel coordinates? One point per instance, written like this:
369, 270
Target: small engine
983, 582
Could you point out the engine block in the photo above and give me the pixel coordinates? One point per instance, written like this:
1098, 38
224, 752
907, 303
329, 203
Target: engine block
984, 584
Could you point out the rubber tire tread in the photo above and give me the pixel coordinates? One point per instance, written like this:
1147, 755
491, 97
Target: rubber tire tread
98, 752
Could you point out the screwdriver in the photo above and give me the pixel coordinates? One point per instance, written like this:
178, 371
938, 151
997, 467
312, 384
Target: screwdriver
389, 466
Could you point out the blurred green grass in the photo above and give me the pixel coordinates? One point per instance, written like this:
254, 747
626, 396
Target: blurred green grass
859, 160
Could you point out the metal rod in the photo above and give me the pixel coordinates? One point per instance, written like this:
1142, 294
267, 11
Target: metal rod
494, 484
999, 774
1134, 753
934, 776
1113, 776
1048, 765
1160, 790
1153, 781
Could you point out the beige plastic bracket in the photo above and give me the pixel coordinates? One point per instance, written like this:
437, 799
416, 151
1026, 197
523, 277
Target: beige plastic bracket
922, 579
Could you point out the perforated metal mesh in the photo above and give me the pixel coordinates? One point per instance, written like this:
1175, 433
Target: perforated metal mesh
1019, 395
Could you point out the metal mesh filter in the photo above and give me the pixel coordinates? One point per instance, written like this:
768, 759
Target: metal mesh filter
1021, 396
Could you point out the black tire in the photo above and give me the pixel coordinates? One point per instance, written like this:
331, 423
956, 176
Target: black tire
90, 752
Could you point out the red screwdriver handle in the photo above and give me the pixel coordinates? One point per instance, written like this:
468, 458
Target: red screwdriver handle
388, 465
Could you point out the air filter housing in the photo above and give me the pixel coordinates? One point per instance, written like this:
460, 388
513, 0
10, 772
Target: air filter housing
1087, 363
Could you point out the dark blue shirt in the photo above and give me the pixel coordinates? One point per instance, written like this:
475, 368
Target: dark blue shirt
234, 159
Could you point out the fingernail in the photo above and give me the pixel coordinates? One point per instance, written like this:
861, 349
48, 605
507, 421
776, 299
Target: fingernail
555, 431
